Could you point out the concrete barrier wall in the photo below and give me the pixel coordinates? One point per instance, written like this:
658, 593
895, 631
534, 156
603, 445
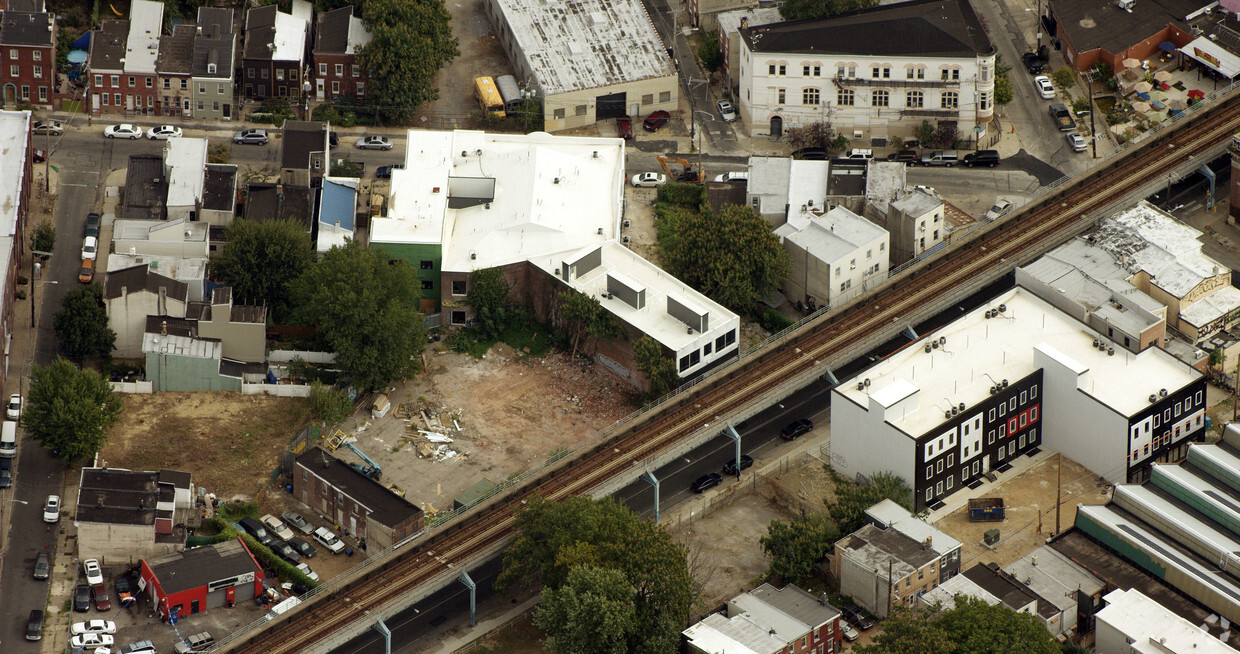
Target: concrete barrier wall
287, 356
144, 387
278, 390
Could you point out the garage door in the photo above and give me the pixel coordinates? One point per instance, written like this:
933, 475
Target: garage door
609, 106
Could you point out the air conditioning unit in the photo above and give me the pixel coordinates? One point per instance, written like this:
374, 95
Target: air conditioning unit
625, 240
625, 224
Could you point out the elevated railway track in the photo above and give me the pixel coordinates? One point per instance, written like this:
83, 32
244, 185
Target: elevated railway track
441, 553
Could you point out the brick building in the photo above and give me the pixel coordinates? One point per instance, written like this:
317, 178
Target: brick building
121, 64
362, 507
28, 44
769, 620
275, 52
174, 67
202, 578
338, 37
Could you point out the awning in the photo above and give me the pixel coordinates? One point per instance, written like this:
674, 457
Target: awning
1208, 53
1167, 47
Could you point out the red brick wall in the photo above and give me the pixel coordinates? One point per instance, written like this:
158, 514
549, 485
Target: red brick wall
27, 60
325, 70
125, 93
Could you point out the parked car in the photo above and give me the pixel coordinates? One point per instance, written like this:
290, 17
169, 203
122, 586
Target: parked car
42, 566
928, 190
163, 132
624, 125
857, 154
139, 647
1035, 62
276, 527
99, 593
94, 575
38, 155
706, 482
329, 540
81, 598
810, 154
796, 429
305, 570
93, 627
124, 590
34, 625
90, 247
13, 410
284, 550
123, 131
850, 634
51, 509
255, 529
333, 139
726, 111
1000, 209
729, 468
905, 156
6, 472
194, 643
374, 143
385, 172
1044, 87
302, 546
86, 273
742, 176
648, 179
53, 127
252, 136
298, 522
91, 639
939, 158
858, 616
1078, 142
92, 225
988, 158
656, 120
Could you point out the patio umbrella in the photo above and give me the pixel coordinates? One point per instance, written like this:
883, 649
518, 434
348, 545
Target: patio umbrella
1130, 63
1176, 104
1196, 94
1142, 87
1142, 107
1162, 76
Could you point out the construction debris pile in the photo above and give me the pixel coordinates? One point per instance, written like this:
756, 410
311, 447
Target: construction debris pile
428, 432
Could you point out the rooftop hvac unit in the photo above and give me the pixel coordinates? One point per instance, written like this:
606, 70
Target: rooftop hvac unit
1153, 398
625, 240
866, 382
1002, 308
1005, 383
947, 414
625, 223
1110, 351
1126, 5
1162, 392
928, 348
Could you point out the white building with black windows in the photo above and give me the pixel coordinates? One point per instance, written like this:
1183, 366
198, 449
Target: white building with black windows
873, 74
1003, 380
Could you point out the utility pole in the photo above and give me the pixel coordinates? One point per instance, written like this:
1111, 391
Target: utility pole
1058, 489
1093, 129
1234, 382
890, 588
1037, 26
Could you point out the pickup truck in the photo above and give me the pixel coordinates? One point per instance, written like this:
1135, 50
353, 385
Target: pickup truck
1062, 117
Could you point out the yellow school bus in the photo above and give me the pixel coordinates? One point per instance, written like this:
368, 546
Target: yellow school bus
488, 96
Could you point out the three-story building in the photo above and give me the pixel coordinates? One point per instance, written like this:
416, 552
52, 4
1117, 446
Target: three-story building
275, 52
28, 44
212, 72
338, 38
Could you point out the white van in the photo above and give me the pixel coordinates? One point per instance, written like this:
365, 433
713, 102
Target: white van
8, 439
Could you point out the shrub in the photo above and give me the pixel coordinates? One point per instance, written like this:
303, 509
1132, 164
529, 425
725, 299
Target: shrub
283, 569
774, 321
328, 403
687, 195
1065, 78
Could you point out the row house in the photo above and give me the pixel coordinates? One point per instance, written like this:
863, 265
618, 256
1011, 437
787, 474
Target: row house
338, 38
274, 58
122, 62
28, 45
173, 66
212, 64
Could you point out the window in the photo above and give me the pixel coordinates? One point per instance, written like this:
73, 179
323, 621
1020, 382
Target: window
280, 74
184, 84
914, 99
428, 285
886, 72
458, 317
929, 494
355, 71
116, 81
852, 72
869, 254
950, 100
874, 72
845, 98
983, 100
1024, 417
1000, 455
361, 88
38, 55
202, 88
817, 71
13, 53
990, 438
167, 84
936, 234
1012, 404
707, 349
992, 415
1176, 406
105, 99
116, 99
38, 71
150, 82
219, 88
579, 110
938, 488
1003, 409
1022, 396
215, 106
292, 74
558, 113
98, 80
1167, 415
665, 96
779, 96
339, 70
950, 482
951, 459
810, 96
42, 94
132, 82
882, 99
805, 70
13, 71
783, 70
1022, 441
322, 70
939, 466
458, 287
200, 104
249, 72
908, 73
335, 86
882, 247
263, 73
929, 472
648, 98
1033, 414
921, 73
426, 265
770, 69
1003, 430
1198, 398
955, 74
921, 574
944, 71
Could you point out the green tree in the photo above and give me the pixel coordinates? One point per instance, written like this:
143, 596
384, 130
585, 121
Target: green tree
731, 257
365, 305
1003, 81
411, 40
82, 324
592, 612
976, 627
585, 318
925, 133
797, 546
328, 403
489, 296
219, 154
658, 366
261, 260
851, 499
909, 631
708, 51
794, 9
44, 239
1065, 78
818, 134
70, 410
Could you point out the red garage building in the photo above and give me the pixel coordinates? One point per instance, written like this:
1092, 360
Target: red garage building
202, 578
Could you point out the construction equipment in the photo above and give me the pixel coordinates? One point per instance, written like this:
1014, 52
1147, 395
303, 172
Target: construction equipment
690, 175
371, 469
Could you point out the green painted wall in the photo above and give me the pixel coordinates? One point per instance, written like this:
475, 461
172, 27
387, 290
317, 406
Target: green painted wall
170, 372
415, 254
1104, 536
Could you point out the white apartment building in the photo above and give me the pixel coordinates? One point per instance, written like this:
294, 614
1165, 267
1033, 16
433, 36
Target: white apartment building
873, 74
833, 256
1132, 623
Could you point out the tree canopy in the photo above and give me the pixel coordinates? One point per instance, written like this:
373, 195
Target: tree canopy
82, 324
488, 295
411, 40
732, 257
44, 239
262, 259
795, 547
592, 613
70, 410
584, 317
794, 9
365, 307
971, 627
553, 539
658, 366
852, 499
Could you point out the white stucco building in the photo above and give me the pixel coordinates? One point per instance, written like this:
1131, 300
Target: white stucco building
873, 74
1132, 623
833, 256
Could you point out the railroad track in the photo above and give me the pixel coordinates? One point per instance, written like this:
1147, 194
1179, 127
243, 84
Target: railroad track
304, 629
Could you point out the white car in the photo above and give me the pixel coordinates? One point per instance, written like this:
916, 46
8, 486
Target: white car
94, 627
91, 639
1078, 142
733, 177
94, 574
329, 540
90, 247
123, 131
928, 190
278, 528
726, 111
13, 410
1001, 208
53, 127
305, 570
163, 132
51, 509
649, 179
1045, 89
850, 634
374, 143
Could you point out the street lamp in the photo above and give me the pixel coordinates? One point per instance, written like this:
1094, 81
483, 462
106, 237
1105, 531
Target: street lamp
3, 531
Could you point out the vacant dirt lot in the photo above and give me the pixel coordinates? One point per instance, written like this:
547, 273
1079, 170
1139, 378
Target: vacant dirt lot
228, 441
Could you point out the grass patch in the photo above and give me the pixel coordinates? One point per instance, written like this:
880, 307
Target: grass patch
522, 333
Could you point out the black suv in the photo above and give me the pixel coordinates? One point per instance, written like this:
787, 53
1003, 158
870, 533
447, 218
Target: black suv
34, 626
810, 154
982, 158
1035, 62
92, 225
905, 156
256, 530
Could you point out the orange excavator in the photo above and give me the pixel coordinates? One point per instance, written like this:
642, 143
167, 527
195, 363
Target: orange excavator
690, 174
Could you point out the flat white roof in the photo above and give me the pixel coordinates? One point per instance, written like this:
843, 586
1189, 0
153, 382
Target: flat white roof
14, 131
358, 36
730, 21
947, 591
586, 44
185, 161
738, 635
1221, 302
1147, 238
784, 626
290, 38
182, 346
978, 349
179, 268
807, 184
1154, 629
159, 230
517, 197
900, 519
829, 236
146, 21
884, 180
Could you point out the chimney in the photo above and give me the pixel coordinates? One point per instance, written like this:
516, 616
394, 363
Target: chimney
744, 22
